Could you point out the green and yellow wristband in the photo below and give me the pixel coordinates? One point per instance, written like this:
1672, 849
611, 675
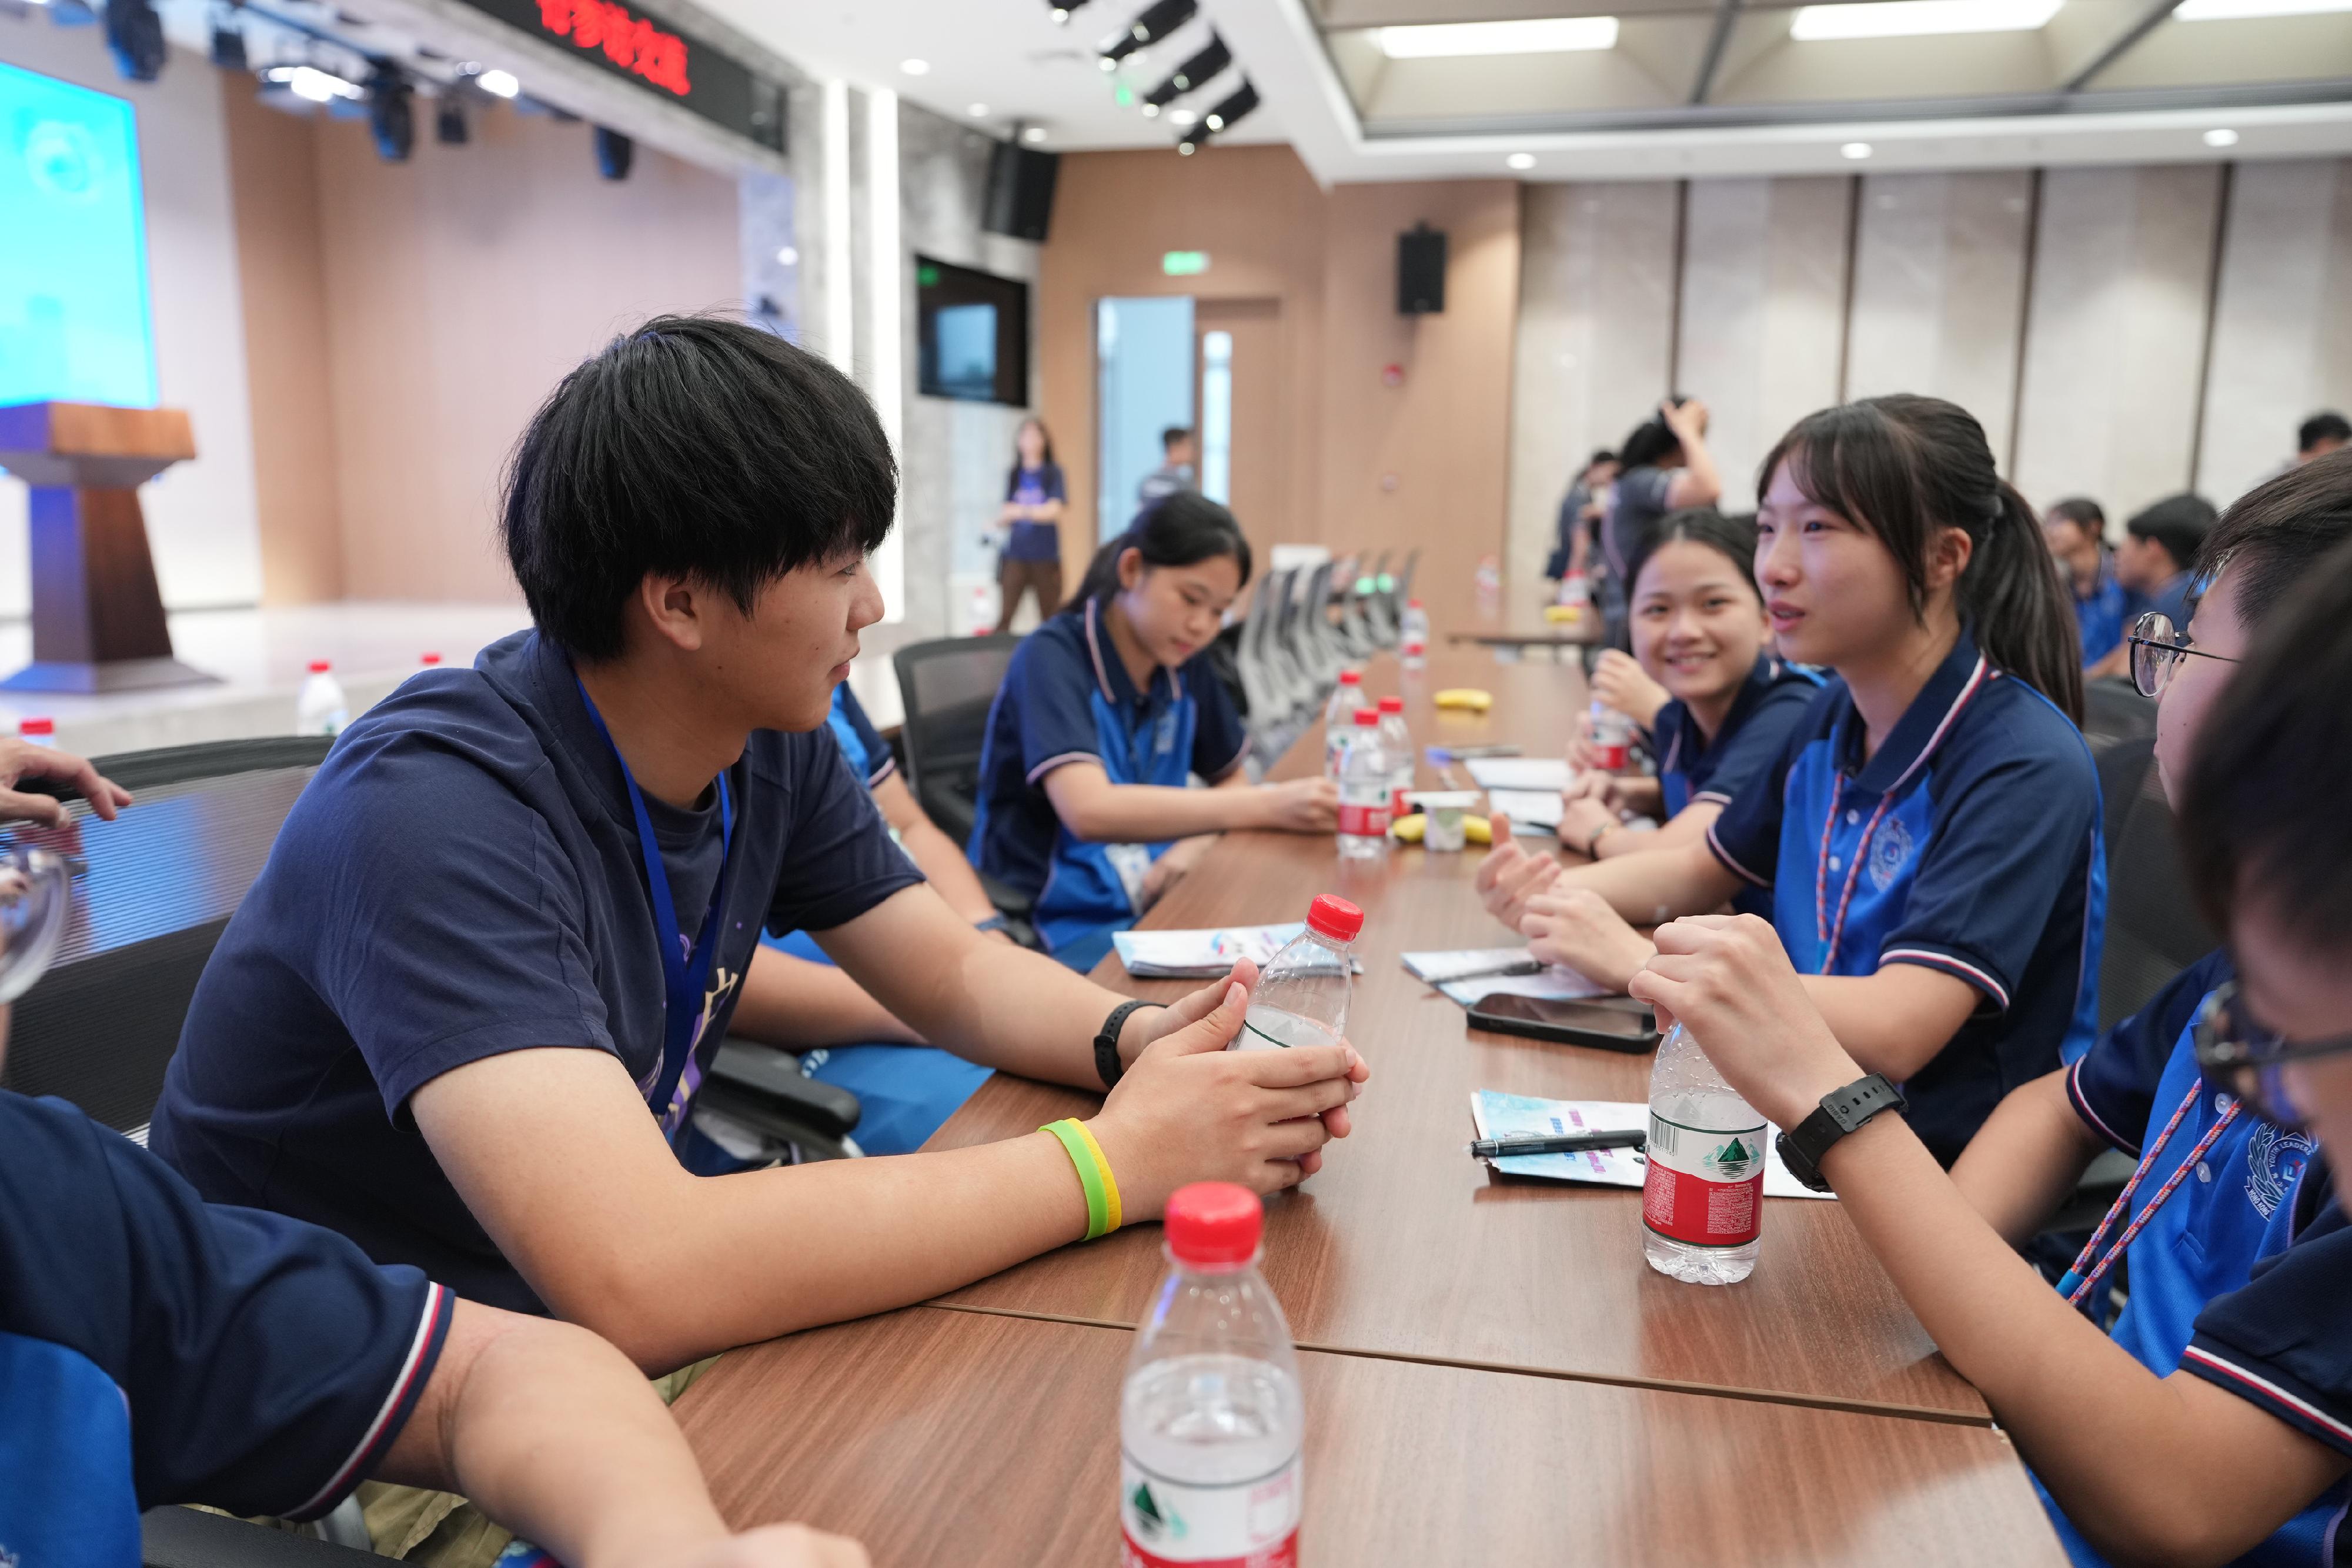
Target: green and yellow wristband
1094, 1175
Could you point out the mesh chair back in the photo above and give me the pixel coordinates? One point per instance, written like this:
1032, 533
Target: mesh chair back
163, 880
947, 686
2114, 712
2154, 930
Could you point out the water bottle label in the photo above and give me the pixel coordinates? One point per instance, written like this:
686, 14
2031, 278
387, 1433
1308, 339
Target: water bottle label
1415, 647
1358, 820
1704, 1186
1247, 1524
1612, 757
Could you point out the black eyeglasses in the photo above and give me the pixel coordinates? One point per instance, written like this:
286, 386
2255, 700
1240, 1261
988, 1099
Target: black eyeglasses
2240, 1056
2155, 655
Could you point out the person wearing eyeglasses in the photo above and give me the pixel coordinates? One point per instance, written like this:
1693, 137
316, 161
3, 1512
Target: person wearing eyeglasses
2213, 1422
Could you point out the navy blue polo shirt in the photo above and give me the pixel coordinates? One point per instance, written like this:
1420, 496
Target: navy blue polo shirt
1028, 540
2103, 615
1068, 698
462, 878
155, 1349
2247, 1201
1771, 702
862, 746
1969, 843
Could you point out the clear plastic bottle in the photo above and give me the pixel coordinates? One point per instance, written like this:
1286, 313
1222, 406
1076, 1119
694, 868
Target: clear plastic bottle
1364, 790
1612, 737
321, 707
1396, 744
1413, 635
1211, 1423
1302, 996
1338, 717
39, 731
1703, 1192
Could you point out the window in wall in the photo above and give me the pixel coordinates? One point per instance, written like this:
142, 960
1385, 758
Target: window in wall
1143, 365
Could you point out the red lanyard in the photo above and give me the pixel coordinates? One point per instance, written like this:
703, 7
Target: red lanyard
2077, 1284
1829, 933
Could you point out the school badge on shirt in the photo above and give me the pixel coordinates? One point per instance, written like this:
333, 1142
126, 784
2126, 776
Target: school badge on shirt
1890, 852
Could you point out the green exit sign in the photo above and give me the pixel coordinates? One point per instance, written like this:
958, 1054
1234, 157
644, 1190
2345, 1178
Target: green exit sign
1184, 263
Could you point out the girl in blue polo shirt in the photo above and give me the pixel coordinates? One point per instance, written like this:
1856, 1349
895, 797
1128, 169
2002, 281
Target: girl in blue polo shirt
1035, 496
1700, 632
1929, 834
1107, 711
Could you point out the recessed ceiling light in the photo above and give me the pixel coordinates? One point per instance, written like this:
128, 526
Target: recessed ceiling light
310, 82
915, 68
502, 83
1033, 134
2220, 136
790, 255
1183, 116
1920, 18
1857, 151
1538, 35
1521, 161
977, 111
2235, 10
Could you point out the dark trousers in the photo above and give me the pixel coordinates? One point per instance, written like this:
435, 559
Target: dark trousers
1015, 578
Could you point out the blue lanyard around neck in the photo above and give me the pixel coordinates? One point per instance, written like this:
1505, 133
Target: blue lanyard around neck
685, 973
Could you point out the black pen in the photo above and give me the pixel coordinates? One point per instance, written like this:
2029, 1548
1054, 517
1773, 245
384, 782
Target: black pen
1516, 967
1547, 1143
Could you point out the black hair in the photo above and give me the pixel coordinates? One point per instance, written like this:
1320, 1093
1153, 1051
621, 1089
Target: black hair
2271, 536
2084, 513
1601, 455
1732, 537
1181, 529
1652, 442
1172, 434
2262, 805
694, 445
1903, 466
2178, 524
2327, 425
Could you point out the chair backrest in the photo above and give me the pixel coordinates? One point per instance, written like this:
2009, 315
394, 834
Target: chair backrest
2154, 930
163, 880
2113, 712
947, 685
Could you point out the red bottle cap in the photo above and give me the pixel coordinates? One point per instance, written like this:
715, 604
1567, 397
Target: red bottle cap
318, 667
1367, 715
1412, 603
1213, 1224
1392, 704
1351, 677
1334, 917
37, 726
430, 659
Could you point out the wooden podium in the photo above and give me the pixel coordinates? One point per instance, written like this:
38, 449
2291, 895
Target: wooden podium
98, 616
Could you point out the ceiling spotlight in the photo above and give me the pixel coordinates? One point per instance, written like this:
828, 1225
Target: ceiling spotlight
311, 84
392, 115
1229, 113
498, 84
1183, 116
135, 33
614, 153
1193, 140
1857, 151
449, 127
1061, 10
2220, 136
1033, 135
1158, 20
1192, 73
1520, 161
789, 256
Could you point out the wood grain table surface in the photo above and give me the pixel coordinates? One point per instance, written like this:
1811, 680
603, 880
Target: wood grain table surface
949, 1439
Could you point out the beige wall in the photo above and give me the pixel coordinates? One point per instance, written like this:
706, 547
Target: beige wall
1368, 466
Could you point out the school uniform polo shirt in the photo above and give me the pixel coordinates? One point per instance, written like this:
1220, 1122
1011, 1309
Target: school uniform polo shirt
862, 746
1771, 702
1969, 843
1068, 698
2104, 614
154, 1349
1029, 539
2254, 1197
463, 878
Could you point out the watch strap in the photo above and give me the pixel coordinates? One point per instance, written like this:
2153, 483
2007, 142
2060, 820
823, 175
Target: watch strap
1106, 1062
1841, 1111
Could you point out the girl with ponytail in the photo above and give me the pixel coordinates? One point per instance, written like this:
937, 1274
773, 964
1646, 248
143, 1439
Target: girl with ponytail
1107, 711
1930, 836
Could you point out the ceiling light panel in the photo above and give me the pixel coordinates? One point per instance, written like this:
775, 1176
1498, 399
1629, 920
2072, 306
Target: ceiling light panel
1924, 18
1539, 36
2236, 10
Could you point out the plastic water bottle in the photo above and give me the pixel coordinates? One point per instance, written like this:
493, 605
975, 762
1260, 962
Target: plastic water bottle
1364, 790
1703, 1194
1212, 1422
1487, 582
321, 708
39, 731
1575, 594
1302, 996
1338, 715
1396, 744
1413, 635
1612, 737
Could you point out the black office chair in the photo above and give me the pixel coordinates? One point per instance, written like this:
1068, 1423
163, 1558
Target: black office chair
2115, 712
947, 685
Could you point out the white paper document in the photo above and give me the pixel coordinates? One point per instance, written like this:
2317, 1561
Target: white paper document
1551, 773
1497, 1114
1534, 814
1200, 954
1552, 985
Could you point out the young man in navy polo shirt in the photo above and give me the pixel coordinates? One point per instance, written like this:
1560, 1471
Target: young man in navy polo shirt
464, 1012
156, 1349
2216, 1422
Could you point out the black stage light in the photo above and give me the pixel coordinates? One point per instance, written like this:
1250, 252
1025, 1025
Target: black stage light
1192, 73
614, 153
392, 114
135, 33
1229, 113
449, 127
1061, 10
1192, 141
1156, 22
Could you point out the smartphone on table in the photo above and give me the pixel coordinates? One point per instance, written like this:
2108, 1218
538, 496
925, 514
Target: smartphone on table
1611, 1023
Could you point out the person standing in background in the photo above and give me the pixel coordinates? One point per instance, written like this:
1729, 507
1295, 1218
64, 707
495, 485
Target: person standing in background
1664, 466
1179, 453
2075, 531
1032, 517
1587, 503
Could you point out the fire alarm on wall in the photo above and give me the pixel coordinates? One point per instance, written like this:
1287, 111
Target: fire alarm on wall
1391, 374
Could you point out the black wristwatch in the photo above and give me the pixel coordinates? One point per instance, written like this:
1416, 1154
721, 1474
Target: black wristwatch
1106, 1061
1842, 1111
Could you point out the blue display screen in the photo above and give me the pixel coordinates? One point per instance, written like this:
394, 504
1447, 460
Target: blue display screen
73, 247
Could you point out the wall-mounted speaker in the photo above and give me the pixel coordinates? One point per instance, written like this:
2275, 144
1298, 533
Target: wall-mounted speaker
1020, 191
1420, 271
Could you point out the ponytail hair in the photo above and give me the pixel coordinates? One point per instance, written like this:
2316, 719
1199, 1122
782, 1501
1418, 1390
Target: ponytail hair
1905, 466
1733, 538
1182, 528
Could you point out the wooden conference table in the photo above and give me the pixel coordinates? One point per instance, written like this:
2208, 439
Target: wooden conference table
1489, 1363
